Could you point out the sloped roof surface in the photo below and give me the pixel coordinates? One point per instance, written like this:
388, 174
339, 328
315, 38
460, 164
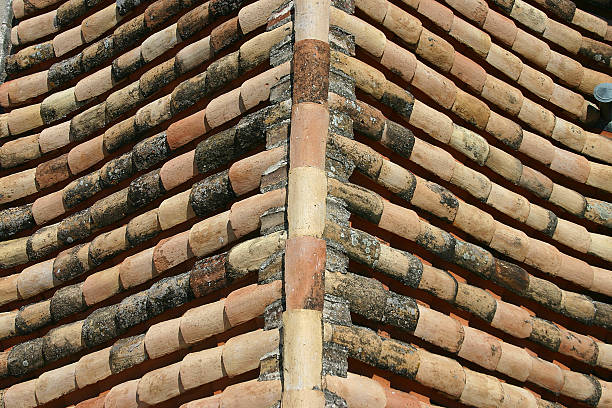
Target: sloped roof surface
349, 204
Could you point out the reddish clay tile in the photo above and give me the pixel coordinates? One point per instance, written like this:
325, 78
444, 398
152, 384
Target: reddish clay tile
537, 117
512, 319
481, 390
481, 348
471, 109
546, 374
23, 119
159, 385
244, 215
503, 95
194, 54
224, 108
433, 158
400, 221
172, 251
35, 279
376, 9
570, 200
474, 221
251, 393
473, 37
304, 265
471, 181
48, 207
308, 134
441, 373
245, 175
578, 271
563, 35
4, 362
469, 72
93, 367
94, 85
137, 269
579, 346
509, 202
52, 171
567, 100
571, 165
510, 241
439, 329
436, 86
399, 61
97, 402
310, 71
98, 23
124, 395
8, 289
532, 48
178, 170
432, 198
569, 134
536, 82
204, 321
185, 130
505, 130
30, 86
201, 368
86, 155
536, 182
36, 27
163, 338
436, 12
566, 69
21, 395
101, 286
544, 257
475, 10
602, 280
432, 121
537, 147
211, 234
250, 302
209, 402
67, 41
406, 26
435, 50
589, 22
159, 42
225, 34
500, 27
54, 137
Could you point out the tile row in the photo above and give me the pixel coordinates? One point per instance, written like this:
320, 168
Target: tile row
441, 163
59, 19
444, 92
58, 105
509, 318
567, 70
109, 322
144, 155
559, 34
241, 353
141, 191
207, 197
204, 199
368, 298
567, 11
441, 127
407, 224
434, 371
512, 242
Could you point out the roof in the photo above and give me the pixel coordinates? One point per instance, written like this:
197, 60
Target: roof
308, 203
